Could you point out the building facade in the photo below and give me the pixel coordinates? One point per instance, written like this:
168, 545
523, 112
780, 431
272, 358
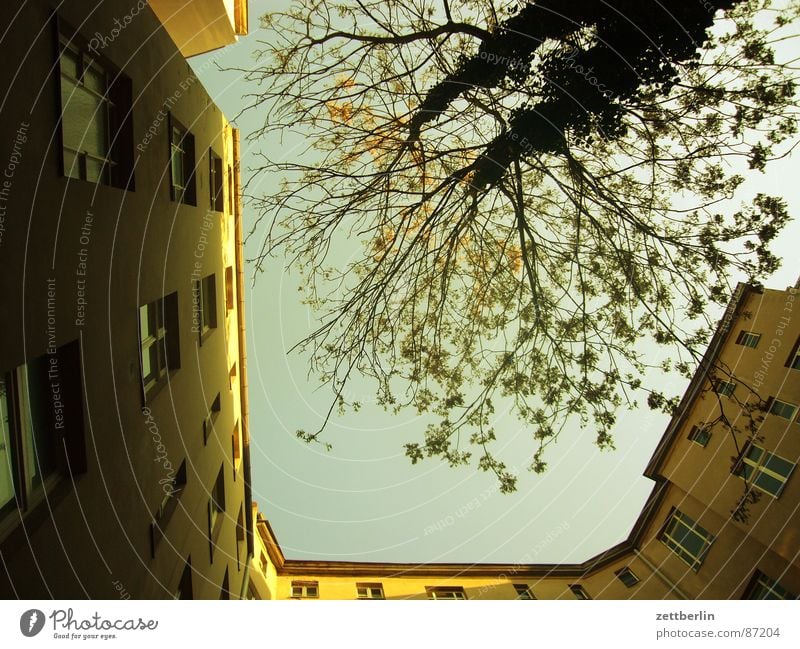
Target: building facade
721, 522
124, 458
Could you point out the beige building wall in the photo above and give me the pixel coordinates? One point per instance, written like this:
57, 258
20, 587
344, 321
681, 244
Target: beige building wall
79, 259
700, 482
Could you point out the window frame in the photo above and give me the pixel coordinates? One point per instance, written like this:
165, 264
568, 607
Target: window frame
211, 417
216, 509
763, 582
775, 401
117, 102
216, 182
667, 537
793, 362
162, 316
166, 508
185, 583
725, 388
25, 425
524, 591
759, 468
186, 191
301, 590
579, 592
446, 593
700, 435
626, 573
745, 338
370, 591
204, 306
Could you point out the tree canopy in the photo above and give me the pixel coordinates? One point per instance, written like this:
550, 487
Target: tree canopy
537, 189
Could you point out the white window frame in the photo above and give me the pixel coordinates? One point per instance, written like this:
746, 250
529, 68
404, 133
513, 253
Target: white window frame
176, 148
759, 467
85, 62
682, 552
302, 590
369, 591
698, 433
771, 586
625, 572
747, 337
783, 405
156, 334
725, 388
447, 592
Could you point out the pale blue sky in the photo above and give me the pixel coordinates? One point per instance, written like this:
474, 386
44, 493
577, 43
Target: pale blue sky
364, 500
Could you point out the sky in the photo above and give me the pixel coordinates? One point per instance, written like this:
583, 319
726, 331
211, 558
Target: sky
363, 500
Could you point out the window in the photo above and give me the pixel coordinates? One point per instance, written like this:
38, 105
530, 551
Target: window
765, 471
204, 305
211, 416
41, 428
783, 409
229, 304
263, 562
232, 376
686, 539
236, 450
216, 509
725, 388
763, 587
627, 577
305, 590
215, 182
370, 591
96, 125
579, 591
523, 592
159, 349
184, 590
748, 339
230, 190
225, 591
181, 162
700, 435
794, 358
445, 592
172, 492
239, 537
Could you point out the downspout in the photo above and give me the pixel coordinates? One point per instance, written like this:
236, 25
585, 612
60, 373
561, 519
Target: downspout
248, 488
670, 586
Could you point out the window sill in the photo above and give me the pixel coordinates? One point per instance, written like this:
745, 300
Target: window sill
16, 527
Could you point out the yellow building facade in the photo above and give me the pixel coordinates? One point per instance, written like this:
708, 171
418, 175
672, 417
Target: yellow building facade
721, 522
124, 459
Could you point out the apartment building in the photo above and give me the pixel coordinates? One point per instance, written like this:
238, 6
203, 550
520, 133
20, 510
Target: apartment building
722, 520
124, 458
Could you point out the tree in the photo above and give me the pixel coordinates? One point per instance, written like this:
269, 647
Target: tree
535, 189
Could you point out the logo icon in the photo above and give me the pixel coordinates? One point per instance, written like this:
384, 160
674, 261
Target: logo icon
31, 622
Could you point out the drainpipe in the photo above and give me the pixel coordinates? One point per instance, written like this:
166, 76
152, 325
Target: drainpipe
670, 586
